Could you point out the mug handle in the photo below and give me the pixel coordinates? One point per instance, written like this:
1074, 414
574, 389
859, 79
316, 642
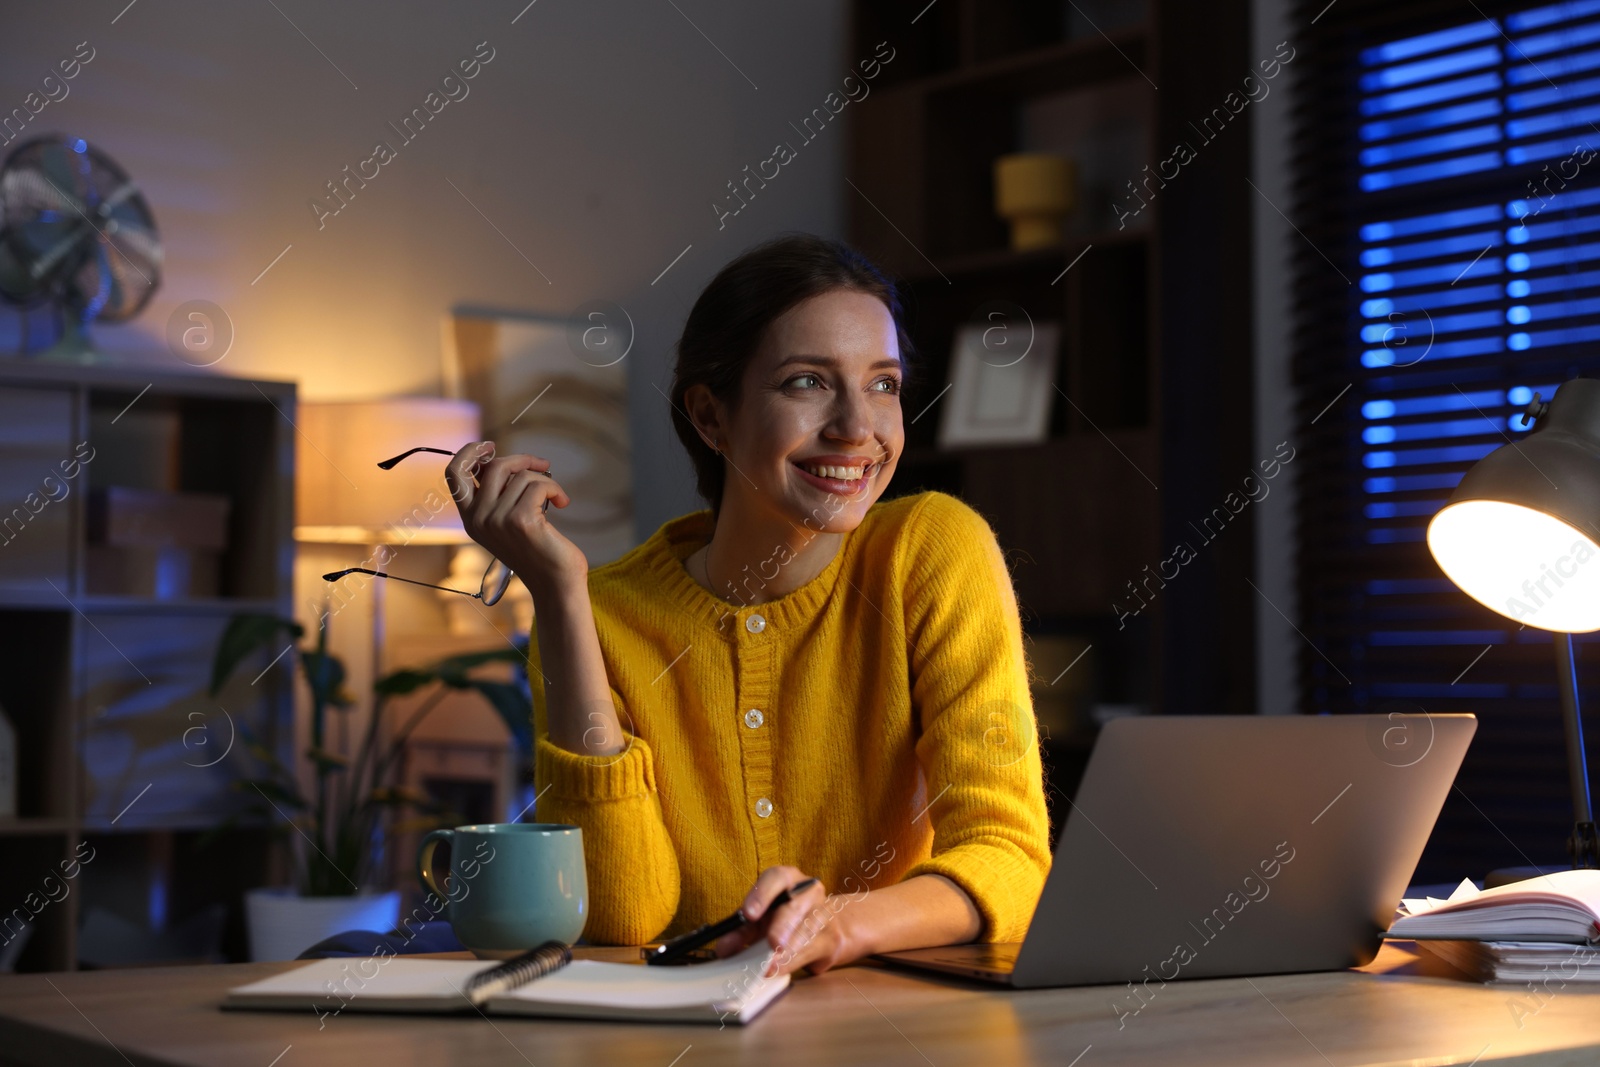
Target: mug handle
425, 859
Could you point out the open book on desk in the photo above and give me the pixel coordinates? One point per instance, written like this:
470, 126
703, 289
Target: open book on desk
1561, 906
726, 990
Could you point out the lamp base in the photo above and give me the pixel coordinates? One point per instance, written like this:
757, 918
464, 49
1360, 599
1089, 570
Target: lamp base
1507, 875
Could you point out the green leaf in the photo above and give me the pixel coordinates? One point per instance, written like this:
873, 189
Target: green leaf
258, 749
513, 707
325, 674
327, 761
457, 666
401, 682
454, 671
243, 636
275, 791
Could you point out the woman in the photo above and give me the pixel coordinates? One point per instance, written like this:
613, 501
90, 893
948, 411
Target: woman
799, 681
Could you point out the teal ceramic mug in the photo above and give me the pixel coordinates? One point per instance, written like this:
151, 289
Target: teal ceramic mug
512, 886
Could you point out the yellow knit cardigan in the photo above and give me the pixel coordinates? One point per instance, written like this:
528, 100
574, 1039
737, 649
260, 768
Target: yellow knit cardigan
872, 725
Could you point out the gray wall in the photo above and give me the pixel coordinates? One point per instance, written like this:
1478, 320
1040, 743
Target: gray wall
596, 140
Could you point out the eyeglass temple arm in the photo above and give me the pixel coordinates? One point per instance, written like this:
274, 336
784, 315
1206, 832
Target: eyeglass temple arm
388, 464
336, 575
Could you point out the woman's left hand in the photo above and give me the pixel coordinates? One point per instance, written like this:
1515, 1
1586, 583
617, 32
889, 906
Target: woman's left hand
804, 932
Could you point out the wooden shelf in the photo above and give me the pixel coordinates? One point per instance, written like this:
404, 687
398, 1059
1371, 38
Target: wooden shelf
159, 606
107, 688
133, 379
1053, 68
30, 827
1005, 260
1154, 324
194, 822
29, 600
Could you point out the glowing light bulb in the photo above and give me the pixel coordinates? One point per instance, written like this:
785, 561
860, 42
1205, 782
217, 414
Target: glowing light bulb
1520, 562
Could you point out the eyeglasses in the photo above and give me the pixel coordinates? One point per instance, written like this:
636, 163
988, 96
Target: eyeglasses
496, 577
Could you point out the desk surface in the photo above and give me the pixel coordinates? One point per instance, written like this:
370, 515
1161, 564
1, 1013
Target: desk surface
1398, 1010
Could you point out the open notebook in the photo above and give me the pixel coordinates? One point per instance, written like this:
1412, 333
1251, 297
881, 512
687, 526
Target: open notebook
726, 990
1561, 906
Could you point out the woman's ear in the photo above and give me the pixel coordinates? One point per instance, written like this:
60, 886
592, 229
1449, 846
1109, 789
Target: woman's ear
706, 413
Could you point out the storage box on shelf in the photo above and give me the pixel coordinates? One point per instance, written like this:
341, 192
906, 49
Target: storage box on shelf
159, 543
138, 511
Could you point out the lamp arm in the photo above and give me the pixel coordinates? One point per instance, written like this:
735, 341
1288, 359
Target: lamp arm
1583, 846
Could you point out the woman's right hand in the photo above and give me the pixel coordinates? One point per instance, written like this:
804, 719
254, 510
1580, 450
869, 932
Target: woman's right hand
502, 501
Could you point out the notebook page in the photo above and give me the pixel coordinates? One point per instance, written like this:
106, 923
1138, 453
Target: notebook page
1561, 888
393, 978
724, 983
1420, 905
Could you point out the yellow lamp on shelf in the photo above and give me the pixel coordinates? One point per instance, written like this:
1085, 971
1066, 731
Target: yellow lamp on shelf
1034, 191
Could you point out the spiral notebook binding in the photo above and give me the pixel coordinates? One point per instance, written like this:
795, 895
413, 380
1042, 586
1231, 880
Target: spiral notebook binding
550, 956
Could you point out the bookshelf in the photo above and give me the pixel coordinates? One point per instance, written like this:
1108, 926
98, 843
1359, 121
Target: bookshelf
1152, 305
105, 652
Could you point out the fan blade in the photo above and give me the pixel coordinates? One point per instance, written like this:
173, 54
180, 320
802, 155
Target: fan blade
67, 198
115, 199
137, 244
123, 291
74, 237
114, 284
29, 192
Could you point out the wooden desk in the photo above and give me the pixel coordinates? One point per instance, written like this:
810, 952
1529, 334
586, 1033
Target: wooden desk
1400, 1011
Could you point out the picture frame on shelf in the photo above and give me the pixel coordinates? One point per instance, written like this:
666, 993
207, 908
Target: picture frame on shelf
1002, 381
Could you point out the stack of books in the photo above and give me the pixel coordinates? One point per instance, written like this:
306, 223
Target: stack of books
1524, 931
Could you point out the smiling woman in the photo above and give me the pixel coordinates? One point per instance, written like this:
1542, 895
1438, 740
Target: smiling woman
799, 679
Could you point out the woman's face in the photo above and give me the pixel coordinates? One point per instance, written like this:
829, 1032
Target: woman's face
818, 429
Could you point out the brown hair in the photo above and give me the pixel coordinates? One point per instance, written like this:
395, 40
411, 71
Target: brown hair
726, 325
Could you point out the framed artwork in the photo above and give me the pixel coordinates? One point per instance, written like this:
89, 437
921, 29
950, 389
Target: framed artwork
553, 388
1002, 383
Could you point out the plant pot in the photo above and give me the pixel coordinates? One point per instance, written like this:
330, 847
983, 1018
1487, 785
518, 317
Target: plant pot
284, 924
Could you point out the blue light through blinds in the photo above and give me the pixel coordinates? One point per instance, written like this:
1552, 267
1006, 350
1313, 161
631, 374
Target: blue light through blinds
1478, 249
1480, 96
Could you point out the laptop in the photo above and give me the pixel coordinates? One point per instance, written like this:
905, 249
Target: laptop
1211, 846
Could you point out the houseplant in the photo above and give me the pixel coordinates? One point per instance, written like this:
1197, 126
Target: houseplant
338, 825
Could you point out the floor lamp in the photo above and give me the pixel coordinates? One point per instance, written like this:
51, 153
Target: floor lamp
1521, 536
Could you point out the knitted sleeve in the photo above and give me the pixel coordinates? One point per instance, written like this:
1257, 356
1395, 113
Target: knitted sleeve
631, 865
978, 748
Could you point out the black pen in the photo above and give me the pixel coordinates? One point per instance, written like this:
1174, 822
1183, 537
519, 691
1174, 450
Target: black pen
675, 950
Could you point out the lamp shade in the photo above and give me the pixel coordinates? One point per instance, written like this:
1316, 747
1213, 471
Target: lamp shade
1521, 532
342, 497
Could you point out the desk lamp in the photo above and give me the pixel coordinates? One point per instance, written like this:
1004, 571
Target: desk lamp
1521, 536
